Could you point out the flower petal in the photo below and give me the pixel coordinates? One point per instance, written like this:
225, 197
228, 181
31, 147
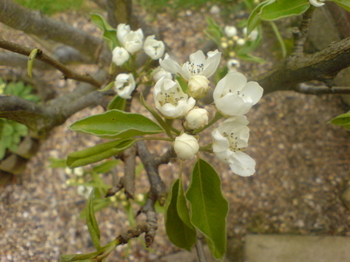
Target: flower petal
242, 164
168, 64
254, 91
212, 63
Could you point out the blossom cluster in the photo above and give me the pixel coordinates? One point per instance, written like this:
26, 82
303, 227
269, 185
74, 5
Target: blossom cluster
233, 97
131, 43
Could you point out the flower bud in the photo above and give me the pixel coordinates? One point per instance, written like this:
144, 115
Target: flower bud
159, 72
120, 55
124, 85
153, 48
196, 118
240, 41
230, 31
233, 64
186, 146
198, 86
133, 41
122, 31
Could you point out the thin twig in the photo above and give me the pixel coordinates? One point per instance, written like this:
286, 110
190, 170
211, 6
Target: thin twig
68, 73
320, 90
200, 250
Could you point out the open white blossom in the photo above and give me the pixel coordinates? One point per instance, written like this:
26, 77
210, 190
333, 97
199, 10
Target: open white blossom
133, 41
229, 141
317, 3
196, 118
170, 100
159, 72
122, 31
153, 48
120, 56
230, 31
234, 96
198, 64
124, 85
233, 64
186, 146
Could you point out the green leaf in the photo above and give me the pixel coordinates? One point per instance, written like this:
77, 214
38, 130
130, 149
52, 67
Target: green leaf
208, 206
117, 124
254, 19
283, 8
117, 103
109, 33
106, 166
214, 31
342, 120
97, 153
343, 4
251, 58
178, 232
79, 257
181, 206
92, 222
57, 162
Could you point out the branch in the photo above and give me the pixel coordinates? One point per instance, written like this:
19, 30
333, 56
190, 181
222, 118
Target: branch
322, 66
33, 22
320, 90
44, 58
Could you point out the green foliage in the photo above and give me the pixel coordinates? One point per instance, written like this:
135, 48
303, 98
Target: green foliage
343, 4
52, 6
92, 222
117, 124
208, 206
117, 103
342, 120
180, 231
11, 131
275, 10
97, 153
109, 33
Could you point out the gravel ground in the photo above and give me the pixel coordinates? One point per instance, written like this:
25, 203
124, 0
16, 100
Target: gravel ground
302, 168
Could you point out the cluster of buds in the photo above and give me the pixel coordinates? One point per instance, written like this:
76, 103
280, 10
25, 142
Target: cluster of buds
233, 97
131, 43
232, 41
77, 177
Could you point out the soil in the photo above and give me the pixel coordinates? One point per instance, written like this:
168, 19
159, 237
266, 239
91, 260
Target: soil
302, 170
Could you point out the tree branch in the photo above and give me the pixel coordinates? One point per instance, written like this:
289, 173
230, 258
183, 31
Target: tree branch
44, 58
33, 22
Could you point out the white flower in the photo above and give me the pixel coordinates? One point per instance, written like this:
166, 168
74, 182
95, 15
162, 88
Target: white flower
198, 64
229, 140
196, 118
120, 56
170, 100
240, 41
233, 64
159, 72
122, 31
153, 48
186, 146
317, 3
125, 85
253, 34
230, 31
84, 190
133, 41
234, 96
198, 86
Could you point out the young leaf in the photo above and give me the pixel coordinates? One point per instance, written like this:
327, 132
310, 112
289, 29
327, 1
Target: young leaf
343, 4
109, 33
208, 206
283, 8
181, 206
342, 120
178, 232
117, 124
254, 19
92, 223
213, 31
117, 103
106, 166
97, 153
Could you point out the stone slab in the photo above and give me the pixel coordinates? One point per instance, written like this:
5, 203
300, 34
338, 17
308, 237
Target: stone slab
291, 248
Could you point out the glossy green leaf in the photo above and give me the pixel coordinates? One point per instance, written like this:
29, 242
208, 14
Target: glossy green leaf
343, 4
106, 166
178, 232
254, 18
117, 103
79, 257
92, 222
117, 124
213, 31
208, 206
283, 8
342, 120
181, 206
109, 33
97, 153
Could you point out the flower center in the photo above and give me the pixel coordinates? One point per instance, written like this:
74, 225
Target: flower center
229, 90
195, 69
233, 141
172, 96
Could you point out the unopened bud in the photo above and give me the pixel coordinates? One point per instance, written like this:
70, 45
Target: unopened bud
186, 146
196, 118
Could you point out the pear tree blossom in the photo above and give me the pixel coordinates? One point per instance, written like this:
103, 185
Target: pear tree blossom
253, 34
120, 55
159, 72
229, 141
170, 100
234, 96
153, 48
124, 85
317, 3
133, 41
196, 118
186, 146
230, 31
